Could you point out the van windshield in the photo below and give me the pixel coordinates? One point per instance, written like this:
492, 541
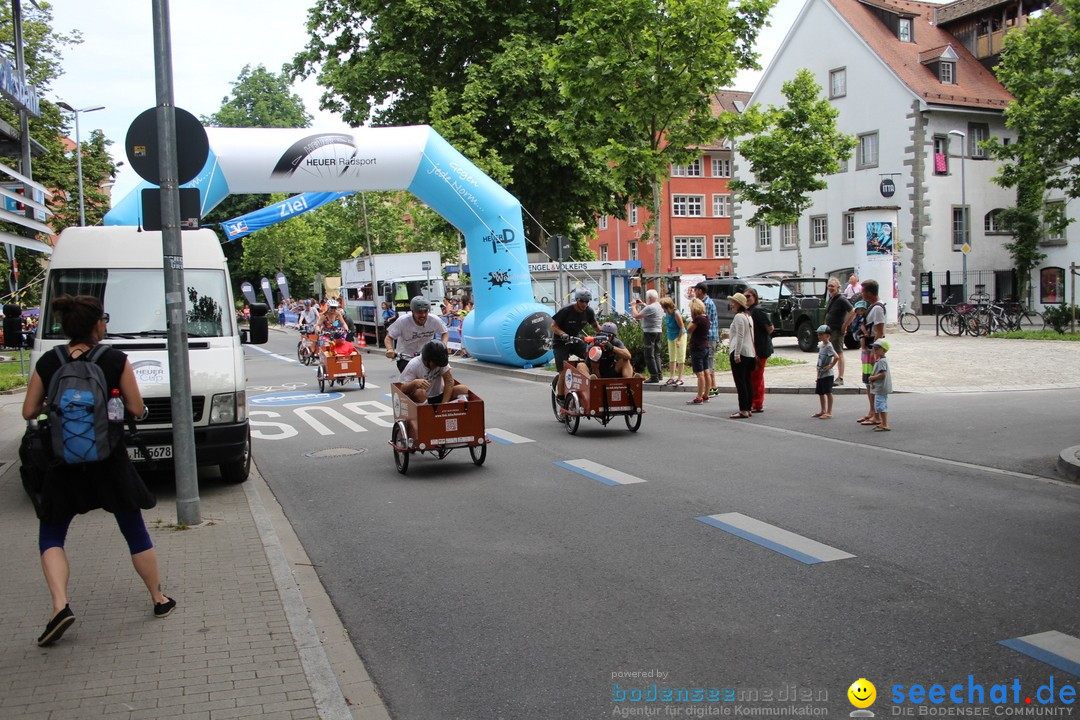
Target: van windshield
766, 291
135, 301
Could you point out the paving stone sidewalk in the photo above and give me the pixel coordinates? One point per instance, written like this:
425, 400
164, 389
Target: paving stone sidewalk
253, 635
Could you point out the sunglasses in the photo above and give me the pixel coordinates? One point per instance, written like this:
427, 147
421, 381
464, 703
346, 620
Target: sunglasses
105, 317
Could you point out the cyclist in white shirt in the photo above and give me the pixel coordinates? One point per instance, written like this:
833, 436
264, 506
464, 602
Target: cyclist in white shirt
407, 335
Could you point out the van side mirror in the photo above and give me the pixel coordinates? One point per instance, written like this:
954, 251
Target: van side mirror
258, 331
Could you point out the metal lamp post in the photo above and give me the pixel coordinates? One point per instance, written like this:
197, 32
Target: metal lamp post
78, 154
963, 203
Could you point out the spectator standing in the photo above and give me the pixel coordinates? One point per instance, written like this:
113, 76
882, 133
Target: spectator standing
743, 355
838, 315
701, 291
675, 332
826, 359
873, 330
763, 347
651, 315
853, 288
881, 381
698, 342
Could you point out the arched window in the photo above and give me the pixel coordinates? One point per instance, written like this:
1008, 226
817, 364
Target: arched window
992, 222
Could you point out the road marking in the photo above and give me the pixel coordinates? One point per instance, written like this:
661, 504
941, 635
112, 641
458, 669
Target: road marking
506, 437
598, 472
1051, 647
782, 541
273, 354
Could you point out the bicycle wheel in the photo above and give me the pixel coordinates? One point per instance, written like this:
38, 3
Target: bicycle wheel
1031, 320
909, 322
951, 324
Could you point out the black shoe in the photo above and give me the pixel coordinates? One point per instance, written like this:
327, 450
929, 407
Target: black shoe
163, 609
652, 381
56, 627
839, 381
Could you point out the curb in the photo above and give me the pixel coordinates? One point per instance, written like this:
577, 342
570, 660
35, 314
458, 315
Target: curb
1068, 463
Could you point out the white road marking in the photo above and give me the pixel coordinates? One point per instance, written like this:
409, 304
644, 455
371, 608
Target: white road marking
775, 538
598, 472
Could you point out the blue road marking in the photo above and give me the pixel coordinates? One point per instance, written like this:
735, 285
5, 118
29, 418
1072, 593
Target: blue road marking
1052, 647
505, 437
598, 472
774, 538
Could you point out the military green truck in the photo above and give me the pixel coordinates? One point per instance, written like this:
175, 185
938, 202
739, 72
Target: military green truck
796, 305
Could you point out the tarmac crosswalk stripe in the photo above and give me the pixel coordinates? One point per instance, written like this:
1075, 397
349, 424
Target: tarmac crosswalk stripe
272, 354
782, 541
598, 472
1051, 647
506, 437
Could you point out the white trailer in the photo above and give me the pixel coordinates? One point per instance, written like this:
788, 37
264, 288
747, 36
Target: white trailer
367, 281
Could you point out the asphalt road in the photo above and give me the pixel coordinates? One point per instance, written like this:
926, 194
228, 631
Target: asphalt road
523, 589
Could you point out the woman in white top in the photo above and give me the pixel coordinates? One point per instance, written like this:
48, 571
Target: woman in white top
743, 357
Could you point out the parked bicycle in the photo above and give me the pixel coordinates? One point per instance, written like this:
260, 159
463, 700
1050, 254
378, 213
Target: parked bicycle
909, 321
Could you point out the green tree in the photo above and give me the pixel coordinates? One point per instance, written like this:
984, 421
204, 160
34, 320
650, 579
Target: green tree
1040, 66
476, 73
790, 151
638, 77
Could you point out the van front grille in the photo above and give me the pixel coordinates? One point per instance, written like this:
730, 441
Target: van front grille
161, 410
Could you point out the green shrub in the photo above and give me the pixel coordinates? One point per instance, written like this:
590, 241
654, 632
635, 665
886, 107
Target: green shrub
1059, 317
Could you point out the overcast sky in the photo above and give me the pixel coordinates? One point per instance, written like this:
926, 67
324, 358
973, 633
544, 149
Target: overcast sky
212, 40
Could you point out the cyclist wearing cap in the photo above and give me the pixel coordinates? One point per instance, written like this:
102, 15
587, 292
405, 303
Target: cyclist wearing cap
611, 359
308, 316
406, 336
427, 377
566, 326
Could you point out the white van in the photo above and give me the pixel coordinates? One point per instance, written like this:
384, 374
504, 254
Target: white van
123, 266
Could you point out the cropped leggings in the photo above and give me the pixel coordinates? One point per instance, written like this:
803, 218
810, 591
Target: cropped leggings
131, 524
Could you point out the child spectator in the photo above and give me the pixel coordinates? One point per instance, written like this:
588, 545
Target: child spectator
826, 361
881, 385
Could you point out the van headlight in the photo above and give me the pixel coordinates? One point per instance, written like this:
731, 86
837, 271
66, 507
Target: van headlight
228, 408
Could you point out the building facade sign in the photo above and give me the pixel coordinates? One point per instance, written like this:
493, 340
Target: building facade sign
12, 87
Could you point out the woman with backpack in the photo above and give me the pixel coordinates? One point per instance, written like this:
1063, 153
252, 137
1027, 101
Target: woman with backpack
111, 483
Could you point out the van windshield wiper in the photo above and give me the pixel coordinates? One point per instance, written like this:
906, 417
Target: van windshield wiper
120, 335
152, 333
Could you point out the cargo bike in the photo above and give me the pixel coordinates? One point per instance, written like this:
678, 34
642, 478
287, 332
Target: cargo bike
339, 362
596, 398
436, 429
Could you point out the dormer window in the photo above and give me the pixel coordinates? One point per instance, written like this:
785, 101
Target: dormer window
947, 72
904, 30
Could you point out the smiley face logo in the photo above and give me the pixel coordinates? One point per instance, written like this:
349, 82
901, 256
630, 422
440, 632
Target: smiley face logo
862, 693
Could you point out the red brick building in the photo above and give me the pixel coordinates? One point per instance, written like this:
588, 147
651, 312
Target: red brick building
695, 230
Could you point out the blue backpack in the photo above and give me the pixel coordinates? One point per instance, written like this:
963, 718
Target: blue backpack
78, 416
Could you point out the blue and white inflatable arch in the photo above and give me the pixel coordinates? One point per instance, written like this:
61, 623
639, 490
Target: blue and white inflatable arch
507, 325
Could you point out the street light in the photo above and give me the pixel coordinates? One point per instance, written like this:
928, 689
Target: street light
78, 153
963, 203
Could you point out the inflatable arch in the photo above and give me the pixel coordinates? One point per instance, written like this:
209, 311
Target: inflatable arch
507, 325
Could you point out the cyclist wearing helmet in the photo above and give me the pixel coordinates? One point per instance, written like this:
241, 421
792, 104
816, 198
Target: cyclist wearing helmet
566, 326
332, 319
406, 337
610, 359
427, 377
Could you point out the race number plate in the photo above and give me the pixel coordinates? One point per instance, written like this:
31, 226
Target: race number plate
157, 452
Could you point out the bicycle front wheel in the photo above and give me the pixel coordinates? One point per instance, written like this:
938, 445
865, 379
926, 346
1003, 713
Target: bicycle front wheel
950, 324
909, 322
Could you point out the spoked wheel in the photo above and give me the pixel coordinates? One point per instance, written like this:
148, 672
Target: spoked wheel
909, 322
572, 417
301, 353
400, 438
556, 408
479, 453
950, 324
322, 380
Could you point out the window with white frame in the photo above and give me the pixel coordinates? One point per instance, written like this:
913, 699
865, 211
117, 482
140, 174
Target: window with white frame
688, 205
849, 228
632, 215
992, 222
866, 154
631, 250
764, 237
904, 30
978, 133
959, 237
947, 72
787, 236
691, 170
721, 246
602, 224
603, 252
721, 167
721, 205
819, 230
689, 247
838, 82
1055, 228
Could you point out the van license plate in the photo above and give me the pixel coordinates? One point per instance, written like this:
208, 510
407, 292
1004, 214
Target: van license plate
157, 452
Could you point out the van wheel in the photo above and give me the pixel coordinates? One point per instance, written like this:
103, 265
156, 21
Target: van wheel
806, 336
237, 471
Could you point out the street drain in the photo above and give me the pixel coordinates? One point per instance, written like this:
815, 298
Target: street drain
335, 452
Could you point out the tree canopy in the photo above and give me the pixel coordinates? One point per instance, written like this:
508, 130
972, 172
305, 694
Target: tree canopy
790, 151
